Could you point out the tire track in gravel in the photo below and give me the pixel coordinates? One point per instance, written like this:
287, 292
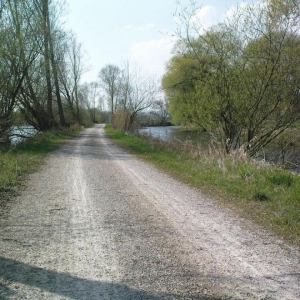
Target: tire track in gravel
97, 223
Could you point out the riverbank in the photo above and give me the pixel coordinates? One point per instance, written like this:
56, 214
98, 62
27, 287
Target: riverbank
26, 157
264, 193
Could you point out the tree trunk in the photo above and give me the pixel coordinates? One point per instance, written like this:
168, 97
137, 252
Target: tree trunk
46, 33
56, 83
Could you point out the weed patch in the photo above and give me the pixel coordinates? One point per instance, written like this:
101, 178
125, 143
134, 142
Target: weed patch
260, 196
285, 179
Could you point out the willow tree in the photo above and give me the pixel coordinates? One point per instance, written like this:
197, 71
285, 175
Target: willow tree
240, 78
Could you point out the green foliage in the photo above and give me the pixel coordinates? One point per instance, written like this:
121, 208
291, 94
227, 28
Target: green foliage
262, 192
240, 78
284, 179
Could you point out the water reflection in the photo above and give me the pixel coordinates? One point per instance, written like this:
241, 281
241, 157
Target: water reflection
18, 133
173, 133
269, 153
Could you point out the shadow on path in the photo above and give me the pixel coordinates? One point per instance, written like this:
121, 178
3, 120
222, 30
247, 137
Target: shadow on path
62, 284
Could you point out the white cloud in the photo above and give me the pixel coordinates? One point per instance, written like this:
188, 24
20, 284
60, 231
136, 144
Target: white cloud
199, 21
148, 26
136, 27
126, 27
152, 55
233, 10
206, 16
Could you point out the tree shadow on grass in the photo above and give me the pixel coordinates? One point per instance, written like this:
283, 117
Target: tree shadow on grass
58, 284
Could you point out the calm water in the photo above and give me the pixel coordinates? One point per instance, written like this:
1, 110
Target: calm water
173, 133
21, 132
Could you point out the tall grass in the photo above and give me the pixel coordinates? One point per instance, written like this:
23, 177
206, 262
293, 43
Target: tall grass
264, 193
26, 157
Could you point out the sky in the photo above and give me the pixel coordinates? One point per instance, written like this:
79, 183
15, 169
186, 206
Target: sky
135, 31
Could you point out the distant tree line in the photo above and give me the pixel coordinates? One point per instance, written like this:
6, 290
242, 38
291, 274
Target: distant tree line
130, 95
240, 79
41, 65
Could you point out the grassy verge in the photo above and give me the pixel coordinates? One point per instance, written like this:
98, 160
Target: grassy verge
26, 157
261, 192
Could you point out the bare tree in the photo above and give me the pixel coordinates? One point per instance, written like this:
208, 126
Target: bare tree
110, 82
71, 69
93, 98
40, 96
16, 56
160, 111
137, 93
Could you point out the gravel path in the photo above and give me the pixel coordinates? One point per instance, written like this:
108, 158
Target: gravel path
97, 223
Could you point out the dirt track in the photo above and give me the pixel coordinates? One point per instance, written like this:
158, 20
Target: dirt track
97, 223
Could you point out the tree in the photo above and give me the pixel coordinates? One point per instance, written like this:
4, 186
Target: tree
36, 56
17, 54
235, 79
179, 85
71, 69
160, 111
40, 97
109, 78
92, 98
129, 91
137, 92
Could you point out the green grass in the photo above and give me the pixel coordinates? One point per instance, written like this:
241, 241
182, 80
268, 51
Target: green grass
26, 157
268, 195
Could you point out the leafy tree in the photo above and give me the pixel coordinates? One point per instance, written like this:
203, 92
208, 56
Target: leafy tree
240, 78
179, 84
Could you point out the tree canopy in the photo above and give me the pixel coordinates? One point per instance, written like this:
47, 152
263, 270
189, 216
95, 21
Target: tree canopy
128, 91
238, 79
40, 67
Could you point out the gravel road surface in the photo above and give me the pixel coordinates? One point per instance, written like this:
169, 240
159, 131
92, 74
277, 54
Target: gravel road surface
97, 223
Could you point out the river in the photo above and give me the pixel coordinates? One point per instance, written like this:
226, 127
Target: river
18, 133
269, 153
173, 133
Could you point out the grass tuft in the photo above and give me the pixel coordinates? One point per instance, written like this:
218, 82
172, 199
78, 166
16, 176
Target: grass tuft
260, 196
285, 179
